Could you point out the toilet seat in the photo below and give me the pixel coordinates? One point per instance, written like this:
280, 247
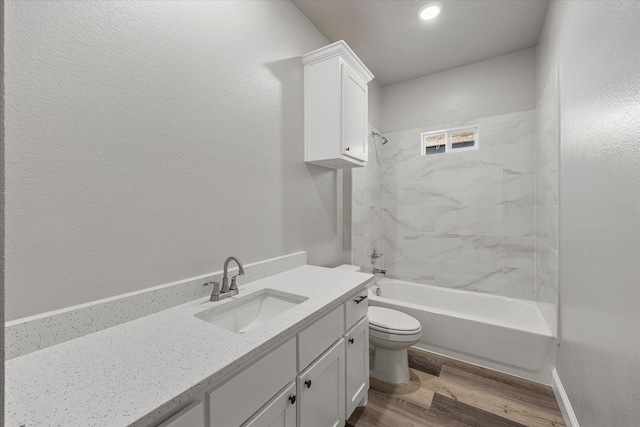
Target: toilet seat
392, 322
393, 331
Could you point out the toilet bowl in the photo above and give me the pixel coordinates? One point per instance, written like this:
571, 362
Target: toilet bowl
391, 333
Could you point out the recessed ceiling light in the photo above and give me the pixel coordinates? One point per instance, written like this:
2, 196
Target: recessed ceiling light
429, 12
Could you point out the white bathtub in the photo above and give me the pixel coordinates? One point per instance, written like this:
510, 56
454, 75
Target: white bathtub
505, 334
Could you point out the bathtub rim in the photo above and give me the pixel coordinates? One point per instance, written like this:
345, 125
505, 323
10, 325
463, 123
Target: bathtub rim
541, 328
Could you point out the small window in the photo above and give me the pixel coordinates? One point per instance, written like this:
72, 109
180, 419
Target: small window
452, 140
435, 143
461, 139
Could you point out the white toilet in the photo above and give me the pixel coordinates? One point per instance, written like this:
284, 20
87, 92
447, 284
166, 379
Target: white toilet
391, 333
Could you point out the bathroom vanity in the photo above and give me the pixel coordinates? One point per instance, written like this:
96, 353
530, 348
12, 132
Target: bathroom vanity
306, 360
317, 377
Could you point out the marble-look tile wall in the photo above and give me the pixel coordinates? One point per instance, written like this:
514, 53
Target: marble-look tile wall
366, 210
547, 202
460, 220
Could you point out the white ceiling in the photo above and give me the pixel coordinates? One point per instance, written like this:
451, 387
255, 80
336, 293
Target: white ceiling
396, 46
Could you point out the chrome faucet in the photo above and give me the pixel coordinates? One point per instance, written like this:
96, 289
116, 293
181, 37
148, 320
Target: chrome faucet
225, 278
227, 291
373, 256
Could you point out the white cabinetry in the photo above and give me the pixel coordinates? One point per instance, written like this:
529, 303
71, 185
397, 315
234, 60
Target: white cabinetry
243, 395
316, 378
321, 390
335, 107
356, 308
357, 365
279, 412
317, 338
355, 95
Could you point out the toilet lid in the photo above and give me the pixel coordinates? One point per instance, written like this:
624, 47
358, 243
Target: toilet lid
393, 321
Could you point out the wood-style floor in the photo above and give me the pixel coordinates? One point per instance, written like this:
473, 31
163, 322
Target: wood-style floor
446, 392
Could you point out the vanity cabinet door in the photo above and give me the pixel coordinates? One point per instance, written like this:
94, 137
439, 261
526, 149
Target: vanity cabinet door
354, 115
357, 365
321, 398
279, 412
238, 399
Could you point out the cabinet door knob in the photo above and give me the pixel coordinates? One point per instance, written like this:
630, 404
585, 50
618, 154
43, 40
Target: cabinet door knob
308, 383
292, 399
351, 340
359, 300
347, 149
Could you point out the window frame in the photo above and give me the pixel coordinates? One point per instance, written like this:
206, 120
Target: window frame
448, 140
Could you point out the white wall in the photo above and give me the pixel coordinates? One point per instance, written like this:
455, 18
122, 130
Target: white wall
148, 141
500, 85
597, 45
375, 104
2, 188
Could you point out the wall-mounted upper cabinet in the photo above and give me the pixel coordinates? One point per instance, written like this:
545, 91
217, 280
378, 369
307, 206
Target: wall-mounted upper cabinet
335, 107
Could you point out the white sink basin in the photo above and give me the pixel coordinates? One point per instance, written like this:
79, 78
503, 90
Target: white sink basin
245, 313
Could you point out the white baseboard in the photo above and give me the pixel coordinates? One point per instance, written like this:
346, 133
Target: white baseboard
563, 400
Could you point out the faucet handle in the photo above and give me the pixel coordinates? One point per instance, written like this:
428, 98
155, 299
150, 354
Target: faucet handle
374, 255
215, 294
234, 285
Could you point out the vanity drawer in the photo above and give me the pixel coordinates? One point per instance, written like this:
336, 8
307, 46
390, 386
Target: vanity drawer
356, 308
317, 338
234, 402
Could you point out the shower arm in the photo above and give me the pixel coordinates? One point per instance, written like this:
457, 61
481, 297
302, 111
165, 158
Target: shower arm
382, 138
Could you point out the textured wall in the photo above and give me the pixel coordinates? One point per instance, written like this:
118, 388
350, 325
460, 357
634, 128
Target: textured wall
488, 88
597, 45
148, 141
2, 189
375, 104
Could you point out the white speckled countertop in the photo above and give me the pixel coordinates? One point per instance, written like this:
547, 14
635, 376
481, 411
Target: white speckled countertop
138, 372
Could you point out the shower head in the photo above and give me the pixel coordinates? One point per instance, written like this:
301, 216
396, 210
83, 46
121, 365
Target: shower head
382, 138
